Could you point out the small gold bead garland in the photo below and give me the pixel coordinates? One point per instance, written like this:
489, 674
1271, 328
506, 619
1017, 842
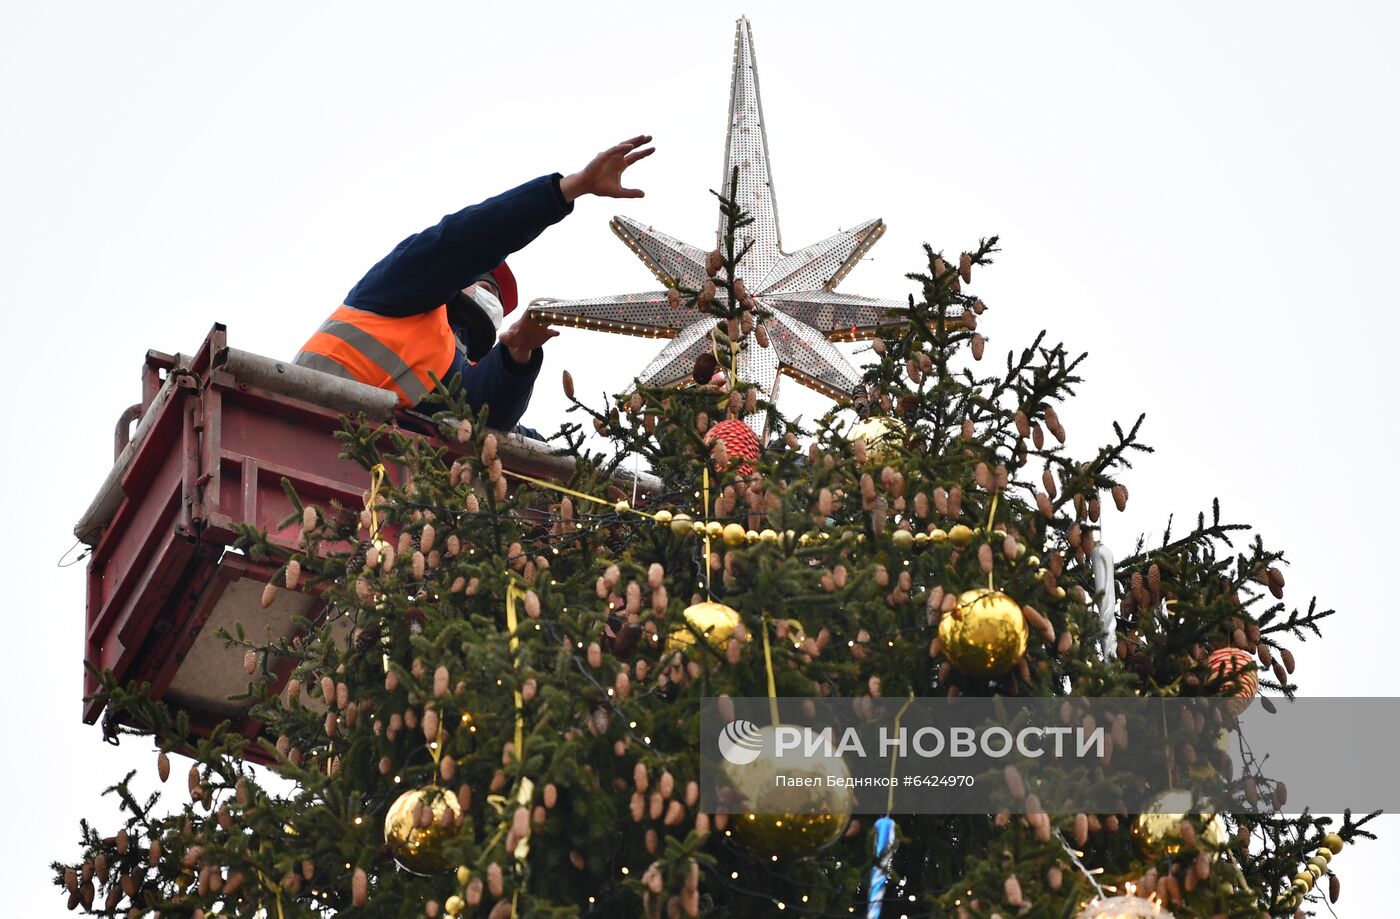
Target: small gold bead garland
1307, 878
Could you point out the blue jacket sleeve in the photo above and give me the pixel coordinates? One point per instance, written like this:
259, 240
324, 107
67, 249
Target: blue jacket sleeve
425, 269
497, 380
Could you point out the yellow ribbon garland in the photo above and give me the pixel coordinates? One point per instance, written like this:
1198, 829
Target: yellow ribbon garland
768, 668
524, 795
526, 790
991, 516
894, 760
514, 594
376, 479
577, 494
435, 750
275, 888
522, 848
705, 504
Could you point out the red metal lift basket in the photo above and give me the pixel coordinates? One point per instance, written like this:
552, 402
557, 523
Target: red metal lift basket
215, 435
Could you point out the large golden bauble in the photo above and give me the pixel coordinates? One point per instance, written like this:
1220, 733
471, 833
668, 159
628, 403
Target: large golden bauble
793, 821
419, 849
985, 634
1158, 827
715, 621
735, 535
882, 437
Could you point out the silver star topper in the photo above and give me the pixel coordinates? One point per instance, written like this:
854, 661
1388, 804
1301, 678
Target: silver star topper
797, 289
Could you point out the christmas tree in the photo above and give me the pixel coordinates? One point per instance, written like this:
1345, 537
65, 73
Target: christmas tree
499, 713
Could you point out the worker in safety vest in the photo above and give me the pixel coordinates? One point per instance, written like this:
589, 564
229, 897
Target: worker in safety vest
436, 303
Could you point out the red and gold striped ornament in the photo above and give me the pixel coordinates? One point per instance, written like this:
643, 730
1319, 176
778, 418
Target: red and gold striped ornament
1235, 666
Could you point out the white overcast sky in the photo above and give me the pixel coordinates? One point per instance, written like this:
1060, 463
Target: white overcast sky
1200, 195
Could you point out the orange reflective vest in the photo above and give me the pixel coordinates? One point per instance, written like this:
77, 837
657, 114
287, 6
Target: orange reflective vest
390, 352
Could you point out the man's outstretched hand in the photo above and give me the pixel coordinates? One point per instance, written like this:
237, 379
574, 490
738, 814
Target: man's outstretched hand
521, 339
603, 176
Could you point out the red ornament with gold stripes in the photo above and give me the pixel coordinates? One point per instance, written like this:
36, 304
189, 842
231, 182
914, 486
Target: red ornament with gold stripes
1241, 678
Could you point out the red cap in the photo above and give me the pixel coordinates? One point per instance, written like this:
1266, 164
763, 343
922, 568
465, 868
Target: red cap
505, 283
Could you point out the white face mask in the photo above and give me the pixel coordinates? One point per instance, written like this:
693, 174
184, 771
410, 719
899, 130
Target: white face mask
490, 304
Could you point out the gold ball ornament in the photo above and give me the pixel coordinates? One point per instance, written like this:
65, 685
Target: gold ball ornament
419, 850
662, 518
883, 436
960, 535
714, 529
734, 535
1158, 827
985, 634
903, 540
680, 524
796, 820
715, 621
768, 536
454, 905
